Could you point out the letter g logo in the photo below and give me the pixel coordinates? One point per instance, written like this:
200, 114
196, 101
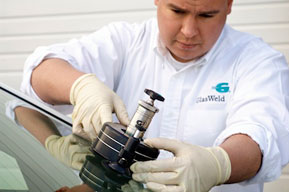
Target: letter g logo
222, 87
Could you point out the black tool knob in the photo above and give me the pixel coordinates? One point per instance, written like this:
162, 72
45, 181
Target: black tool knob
153, 95
139, 125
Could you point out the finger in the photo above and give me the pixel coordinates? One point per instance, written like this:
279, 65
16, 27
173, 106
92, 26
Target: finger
79, 158
164, 188
84, 150
75, 139
77, 127
135, 185
171, 145
91, 132
105, 114
88, 126
82, 134
96, 122
126, 188
162, 165
81, 141
75, 113
78, 130
166, 178
78, 113
76, 165
120, 111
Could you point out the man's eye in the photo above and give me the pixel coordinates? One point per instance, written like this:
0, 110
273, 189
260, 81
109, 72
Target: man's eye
206, 15
178, 11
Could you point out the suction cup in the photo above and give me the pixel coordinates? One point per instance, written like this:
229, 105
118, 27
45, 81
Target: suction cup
100, 177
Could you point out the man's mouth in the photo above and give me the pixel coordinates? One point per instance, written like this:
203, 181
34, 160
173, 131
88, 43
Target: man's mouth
187, 45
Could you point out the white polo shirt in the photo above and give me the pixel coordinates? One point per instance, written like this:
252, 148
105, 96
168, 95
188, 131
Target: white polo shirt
239, 86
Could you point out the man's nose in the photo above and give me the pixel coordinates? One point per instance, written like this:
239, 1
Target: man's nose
189, 27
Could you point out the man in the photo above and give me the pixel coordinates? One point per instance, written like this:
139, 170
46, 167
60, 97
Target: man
225, 95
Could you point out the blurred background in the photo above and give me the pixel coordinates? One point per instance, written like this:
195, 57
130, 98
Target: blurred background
25, 25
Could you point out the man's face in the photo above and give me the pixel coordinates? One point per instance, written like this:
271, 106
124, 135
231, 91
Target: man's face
189, 28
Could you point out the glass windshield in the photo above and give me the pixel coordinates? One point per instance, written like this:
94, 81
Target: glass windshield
24, 159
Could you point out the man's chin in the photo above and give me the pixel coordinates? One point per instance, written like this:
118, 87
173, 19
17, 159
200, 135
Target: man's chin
185, 59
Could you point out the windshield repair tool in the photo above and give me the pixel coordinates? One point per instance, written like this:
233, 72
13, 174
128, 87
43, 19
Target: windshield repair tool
119, 146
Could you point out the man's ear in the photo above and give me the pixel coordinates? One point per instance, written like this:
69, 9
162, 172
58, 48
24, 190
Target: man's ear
156, 2
230, 3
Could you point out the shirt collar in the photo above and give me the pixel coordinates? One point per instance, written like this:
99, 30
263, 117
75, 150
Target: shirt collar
160, 49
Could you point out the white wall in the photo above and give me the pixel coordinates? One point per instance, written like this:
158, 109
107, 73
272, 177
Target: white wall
26, 24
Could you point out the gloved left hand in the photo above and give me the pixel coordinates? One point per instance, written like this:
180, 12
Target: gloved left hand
70, 150
192, 169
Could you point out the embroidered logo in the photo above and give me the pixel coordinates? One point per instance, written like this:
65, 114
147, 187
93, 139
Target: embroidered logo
222, 87
219, 98
211, 98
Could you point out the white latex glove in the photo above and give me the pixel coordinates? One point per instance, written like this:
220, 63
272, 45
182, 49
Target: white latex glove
70, 150
94, 104
192, 169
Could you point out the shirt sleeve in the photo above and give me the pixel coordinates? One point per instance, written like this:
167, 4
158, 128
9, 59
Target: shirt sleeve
259, 108
101, 53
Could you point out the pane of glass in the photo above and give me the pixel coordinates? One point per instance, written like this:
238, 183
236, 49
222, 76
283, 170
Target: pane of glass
40, 170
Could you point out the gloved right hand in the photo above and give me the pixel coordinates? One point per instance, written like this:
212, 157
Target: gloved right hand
94, 104
70, 150
192, 169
